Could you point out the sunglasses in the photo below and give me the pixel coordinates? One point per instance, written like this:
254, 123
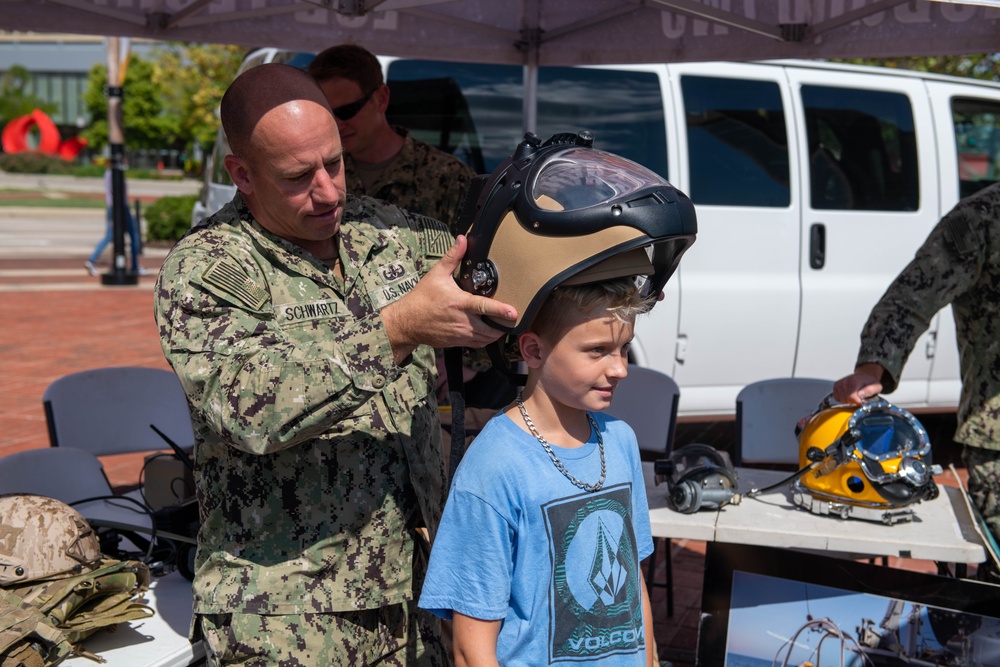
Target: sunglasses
349, 111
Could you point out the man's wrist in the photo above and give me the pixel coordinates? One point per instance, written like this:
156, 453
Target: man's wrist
872, 369
397, 332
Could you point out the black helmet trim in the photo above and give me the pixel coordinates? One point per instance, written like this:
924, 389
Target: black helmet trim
569, 194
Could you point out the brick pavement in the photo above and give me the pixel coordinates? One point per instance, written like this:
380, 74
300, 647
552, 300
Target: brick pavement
56, 320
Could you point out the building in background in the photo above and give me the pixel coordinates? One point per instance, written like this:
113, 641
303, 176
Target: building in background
59, 64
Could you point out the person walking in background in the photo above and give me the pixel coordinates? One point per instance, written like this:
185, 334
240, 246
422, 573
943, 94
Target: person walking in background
958, 264
135, 242
384, 161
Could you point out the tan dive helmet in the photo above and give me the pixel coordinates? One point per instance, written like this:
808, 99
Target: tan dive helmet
562, 212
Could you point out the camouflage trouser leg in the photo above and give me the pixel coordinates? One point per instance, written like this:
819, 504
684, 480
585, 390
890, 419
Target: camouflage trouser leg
984, 484
394, 636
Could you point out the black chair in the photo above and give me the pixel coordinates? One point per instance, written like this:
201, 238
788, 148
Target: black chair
647, 401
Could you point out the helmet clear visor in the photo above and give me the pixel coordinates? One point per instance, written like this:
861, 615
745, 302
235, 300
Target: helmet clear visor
581, 177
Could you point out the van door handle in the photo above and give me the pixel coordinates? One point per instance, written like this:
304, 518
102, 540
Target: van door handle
817, 245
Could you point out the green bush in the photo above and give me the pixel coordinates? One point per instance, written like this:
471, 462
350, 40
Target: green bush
89, 171
33, 162
154, 174
168, 218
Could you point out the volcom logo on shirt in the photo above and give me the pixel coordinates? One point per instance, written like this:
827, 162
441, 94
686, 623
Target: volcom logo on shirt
595, 592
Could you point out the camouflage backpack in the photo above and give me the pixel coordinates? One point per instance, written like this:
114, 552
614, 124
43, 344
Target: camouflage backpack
56, 587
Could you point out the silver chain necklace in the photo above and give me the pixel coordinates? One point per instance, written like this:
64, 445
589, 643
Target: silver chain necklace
555, 459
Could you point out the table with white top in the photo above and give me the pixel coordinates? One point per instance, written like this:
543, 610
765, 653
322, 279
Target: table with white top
158, 641
942, 529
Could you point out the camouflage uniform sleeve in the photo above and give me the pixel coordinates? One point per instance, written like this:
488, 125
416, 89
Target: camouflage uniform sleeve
945, 266
245, 378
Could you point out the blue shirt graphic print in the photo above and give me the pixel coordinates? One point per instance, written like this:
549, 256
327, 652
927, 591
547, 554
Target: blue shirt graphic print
595, 591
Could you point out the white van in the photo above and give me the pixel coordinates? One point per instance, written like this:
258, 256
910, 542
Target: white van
814, 185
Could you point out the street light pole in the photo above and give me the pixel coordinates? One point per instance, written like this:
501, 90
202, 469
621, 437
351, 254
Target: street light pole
117, 64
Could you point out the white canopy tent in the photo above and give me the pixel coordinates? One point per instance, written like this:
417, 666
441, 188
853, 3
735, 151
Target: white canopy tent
536, 33
542, 32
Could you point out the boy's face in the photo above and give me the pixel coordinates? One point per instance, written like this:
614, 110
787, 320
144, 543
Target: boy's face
581, 368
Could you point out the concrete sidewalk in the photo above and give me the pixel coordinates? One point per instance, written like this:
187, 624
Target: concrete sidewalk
136, 187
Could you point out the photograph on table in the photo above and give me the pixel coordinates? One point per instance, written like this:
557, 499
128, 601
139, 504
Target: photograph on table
763, 606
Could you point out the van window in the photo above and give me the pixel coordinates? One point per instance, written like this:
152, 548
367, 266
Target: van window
491, 94
623, 108
862, 149
219, 153
737, 142
977, 139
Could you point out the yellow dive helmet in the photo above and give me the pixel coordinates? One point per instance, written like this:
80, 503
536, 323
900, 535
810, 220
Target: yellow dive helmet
870, 462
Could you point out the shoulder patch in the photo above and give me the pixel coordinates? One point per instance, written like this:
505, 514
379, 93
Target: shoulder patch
227, 276
434, 237
959, 233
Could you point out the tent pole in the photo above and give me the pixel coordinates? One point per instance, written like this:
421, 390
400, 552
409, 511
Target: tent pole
116, 140
531, 43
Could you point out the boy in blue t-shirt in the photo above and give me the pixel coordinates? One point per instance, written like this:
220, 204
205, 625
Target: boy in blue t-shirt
537, 556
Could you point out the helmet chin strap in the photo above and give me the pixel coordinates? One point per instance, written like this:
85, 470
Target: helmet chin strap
502, 365
456, 395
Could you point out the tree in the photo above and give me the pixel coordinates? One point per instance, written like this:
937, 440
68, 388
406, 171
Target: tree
146, 126
14, 101
192, 79
982, 66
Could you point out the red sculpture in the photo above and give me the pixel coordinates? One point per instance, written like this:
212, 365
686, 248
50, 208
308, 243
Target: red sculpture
15, 136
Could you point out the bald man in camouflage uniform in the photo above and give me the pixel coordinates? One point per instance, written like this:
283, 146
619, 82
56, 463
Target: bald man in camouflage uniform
958, 264
300, 322
384, 160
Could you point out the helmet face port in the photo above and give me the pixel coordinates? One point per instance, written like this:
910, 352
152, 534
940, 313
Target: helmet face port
562, 212
876, 456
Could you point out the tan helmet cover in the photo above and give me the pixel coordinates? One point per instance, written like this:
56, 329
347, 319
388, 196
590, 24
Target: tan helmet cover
42, 537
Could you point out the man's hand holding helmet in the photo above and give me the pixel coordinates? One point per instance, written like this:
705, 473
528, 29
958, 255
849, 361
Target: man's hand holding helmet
864, 383
439, 313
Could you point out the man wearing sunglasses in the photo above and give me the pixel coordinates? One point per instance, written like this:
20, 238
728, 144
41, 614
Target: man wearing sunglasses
385, 161
382, 160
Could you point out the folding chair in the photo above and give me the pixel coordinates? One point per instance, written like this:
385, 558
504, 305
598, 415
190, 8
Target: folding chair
647, 401
766, 414
71, 476
110, 410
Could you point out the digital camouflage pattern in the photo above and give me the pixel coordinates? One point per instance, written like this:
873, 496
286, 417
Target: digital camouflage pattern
958, 264
984, 484
365, 637
424, 180
316, 455
420, 178
56, 588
